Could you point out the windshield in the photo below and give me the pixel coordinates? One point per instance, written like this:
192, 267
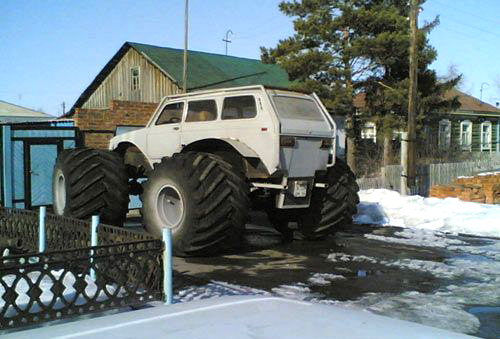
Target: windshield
302, 108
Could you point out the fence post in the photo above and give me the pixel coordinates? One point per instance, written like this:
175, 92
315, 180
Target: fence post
167, 265
93, 241
41, 229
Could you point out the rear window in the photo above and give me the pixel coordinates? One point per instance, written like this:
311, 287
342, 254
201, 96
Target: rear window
202, 110
242, 107
297, 108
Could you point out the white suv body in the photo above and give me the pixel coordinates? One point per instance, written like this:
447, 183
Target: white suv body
290, 133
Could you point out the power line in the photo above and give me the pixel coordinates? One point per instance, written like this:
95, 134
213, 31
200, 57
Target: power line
467, 13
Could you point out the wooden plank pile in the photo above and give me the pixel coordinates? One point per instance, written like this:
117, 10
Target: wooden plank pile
481, 188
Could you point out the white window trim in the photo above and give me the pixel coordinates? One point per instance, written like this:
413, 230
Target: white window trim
132, 79
487, 142
447, 137
466, 147
368, 135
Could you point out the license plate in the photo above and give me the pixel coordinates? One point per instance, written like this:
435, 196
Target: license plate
300, 189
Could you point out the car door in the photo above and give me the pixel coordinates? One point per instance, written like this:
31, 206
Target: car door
163, 138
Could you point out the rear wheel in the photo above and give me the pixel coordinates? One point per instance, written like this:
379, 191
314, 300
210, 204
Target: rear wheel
201, 198
90, 182
333, 206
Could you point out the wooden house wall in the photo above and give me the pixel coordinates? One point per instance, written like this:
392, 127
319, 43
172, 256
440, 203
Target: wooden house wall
153, 84
476, 131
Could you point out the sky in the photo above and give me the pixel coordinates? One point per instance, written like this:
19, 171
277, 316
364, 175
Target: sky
50, 50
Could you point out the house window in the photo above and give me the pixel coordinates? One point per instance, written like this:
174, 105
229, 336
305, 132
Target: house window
369, 131
466, 135
444, 136
134, 79
201, 110
486, 136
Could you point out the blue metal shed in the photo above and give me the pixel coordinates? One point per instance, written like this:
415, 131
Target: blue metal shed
28, 154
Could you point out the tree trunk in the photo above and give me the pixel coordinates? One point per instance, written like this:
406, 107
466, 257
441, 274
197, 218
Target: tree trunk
350, 130
387, 148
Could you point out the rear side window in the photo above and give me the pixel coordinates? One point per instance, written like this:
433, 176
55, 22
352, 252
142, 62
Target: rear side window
171, 114
242, 107
202, 110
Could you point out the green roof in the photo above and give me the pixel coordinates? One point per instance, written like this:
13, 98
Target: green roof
207, 70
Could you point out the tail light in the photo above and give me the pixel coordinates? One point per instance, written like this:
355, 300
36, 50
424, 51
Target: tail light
326, 143
287, 141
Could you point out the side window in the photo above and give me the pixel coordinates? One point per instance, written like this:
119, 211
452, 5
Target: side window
171, 114
202, 110
239, 108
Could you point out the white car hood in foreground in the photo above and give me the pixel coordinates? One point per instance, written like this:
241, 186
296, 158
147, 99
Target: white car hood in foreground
240, 317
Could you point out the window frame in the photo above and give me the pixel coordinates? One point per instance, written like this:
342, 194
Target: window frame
369, 136
237, 96
466, 147
490, 136
186, 113
183, 102
134, 89
447, 137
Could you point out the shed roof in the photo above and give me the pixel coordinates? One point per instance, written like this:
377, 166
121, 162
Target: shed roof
205, 70
11, 110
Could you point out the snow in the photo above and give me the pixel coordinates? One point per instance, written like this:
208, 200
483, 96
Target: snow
388, 208
322, 279
489, 173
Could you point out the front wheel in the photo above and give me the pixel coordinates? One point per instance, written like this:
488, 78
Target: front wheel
333, 206
201, 198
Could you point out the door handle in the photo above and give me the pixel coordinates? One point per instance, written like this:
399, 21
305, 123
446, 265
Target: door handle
176, 128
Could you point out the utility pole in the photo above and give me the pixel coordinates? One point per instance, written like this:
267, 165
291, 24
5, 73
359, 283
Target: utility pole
184, 71
64, 107
226, 40
408, 161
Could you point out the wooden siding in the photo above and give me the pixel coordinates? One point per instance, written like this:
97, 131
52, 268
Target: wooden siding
476, 132
153, 84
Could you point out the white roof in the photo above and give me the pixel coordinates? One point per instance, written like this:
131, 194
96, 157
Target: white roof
240, 318
8, 109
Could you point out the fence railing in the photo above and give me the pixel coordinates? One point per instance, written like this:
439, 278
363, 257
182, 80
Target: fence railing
429, 175
71, 277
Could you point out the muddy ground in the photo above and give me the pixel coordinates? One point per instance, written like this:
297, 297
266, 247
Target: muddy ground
268, 263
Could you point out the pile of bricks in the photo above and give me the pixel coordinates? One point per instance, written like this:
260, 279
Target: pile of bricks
481, 188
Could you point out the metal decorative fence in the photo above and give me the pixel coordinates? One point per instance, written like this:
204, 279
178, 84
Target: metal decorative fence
73, 278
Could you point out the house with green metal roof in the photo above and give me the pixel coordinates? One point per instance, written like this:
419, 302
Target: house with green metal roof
124, 94
146, 73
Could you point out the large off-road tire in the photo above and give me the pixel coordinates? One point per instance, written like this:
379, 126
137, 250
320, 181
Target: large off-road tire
202, 198
90, 182
331, 207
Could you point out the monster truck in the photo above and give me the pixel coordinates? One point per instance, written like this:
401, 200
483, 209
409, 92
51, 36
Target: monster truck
208, 157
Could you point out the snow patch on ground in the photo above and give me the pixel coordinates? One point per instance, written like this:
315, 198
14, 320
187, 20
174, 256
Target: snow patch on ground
418, 237
321, 279
386, 207
339, 257
215, 289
